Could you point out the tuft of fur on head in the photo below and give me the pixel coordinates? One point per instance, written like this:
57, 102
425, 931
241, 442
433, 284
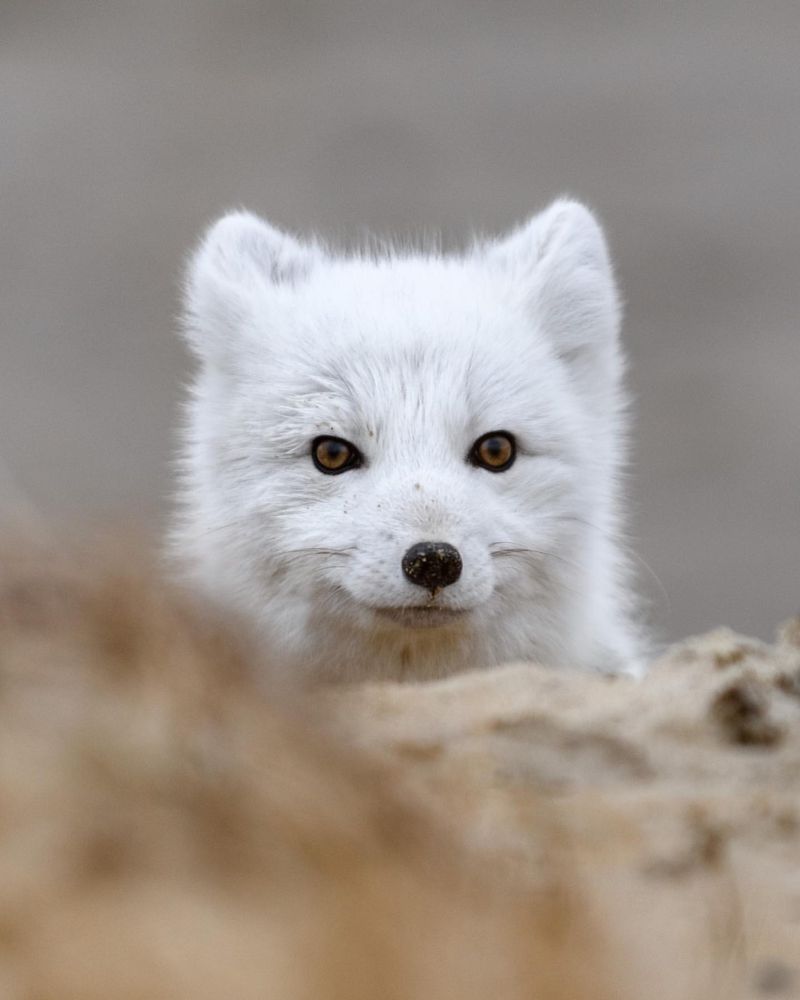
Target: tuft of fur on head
411, 357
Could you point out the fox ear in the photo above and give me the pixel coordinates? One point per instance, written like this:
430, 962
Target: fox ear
560, 262
239, 261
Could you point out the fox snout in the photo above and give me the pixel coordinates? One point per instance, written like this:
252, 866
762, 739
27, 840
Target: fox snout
432, 565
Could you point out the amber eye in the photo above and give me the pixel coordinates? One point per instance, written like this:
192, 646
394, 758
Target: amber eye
333, 455
494, 451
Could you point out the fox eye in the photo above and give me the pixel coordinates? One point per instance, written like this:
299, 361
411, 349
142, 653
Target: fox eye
494, 451
332, 455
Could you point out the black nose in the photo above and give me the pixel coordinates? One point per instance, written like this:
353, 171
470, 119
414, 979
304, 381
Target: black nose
432, 565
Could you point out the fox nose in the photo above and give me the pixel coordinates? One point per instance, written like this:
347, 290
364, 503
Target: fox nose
432, 565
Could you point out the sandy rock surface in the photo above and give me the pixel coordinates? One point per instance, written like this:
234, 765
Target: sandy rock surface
677, 797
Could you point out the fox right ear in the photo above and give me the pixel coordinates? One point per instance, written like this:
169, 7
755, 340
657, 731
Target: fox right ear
239, 261
560, 264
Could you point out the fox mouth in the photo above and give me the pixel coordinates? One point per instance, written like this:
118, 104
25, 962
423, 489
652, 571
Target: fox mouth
422, 617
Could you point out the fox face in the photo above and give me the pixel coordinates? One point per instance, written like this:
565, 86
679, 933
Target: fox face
406, 464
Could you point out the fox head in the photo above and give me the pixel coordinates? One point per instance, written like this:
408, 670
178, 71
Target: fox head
406, 463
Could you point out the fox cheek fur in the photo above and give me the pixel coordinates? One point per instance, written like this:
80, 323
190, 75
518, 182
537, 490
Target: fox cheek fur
404, 555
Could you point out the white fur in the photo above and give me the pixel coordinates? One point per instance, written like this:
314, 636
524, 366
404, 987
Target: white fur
411, 357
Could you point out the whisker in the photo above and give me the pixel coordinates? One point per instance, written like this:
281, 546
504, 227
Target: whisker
633, 557
288, 556
513, 550
664, 593
540, 556
509, 551
317, 550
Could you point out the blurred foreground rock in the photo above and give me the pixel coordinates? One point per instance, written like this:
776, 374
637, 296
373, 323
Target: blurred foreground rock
167, 830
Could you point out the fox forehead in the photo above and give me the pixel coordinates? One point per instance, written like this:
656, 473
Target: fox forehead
414, 340
401, 309
390, 394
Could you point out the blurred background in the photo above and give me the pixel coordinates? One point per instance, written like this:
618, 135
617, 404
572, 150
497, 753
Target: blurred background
126, 127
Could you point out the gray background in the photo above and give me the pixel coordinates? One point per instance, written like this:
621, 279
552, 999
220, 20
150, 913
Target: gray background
126, 127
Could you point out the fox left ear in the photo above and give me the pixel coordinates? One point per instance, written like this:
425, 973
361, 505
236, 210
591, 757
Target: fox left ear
560, 262
241, 260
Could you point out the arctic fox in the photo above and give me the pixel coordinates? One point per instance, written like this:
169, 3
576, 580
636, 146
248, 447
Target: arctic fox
407, 464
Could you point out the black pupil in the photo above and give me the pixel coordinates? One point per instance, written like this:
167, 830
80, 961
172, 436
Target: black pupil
335, 452
495, 448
